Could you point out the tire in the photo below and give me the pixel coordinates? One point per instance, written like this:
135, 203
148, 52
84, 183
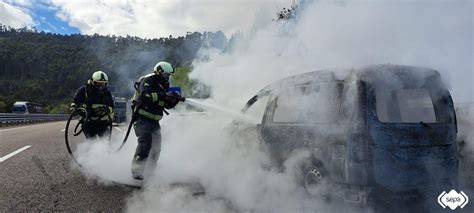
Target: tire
314, 178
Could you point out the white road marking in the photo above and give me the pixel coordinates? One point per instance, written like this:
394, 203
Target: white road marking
62, 130
118, 129
1, 130
13, 153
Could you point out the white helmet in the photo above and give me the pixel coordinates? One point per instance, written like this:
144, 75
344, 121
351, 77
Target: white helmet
163, 67
100, 76
100, 80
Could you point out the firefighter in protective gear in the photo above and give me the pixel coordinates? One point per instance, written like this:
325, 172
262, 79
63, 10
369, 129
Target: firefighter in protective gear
149, 102
98, 102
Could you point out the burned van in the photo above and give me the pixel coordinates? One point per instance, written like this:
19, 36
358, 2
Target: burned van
376, 132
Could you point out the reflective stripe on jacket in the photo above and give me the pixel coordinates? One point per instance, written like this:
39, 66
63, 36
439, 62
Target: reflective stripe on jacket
149, 115
151, 93
90, 98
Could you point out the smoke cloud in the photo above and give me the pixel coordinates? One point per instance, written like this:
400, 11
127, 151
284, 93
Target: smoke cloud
99, 160
435, 34
235, 175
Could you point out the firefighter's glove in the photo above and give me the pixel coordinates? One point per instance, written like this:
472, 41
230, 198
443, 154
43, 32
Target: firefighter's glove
107, 110
171, 100
73, 107
102, 110
176, 97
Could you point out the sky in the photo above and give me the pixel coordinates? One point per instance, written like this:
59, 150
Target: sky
40, 15
142, 18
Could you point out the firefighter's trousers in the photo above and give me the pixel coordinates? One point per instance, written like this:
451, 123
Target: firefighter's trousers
149, 143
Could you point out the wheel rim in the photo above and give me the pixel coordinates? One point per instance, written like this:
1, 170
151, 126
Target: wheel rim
312, 180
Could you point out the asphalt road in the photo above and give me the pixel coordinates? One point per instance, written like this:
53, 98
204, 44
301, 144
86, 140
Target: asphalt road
43, 177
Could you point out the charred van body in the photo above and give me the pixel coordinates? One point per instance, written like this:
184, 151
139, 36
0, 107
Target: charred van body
380, 132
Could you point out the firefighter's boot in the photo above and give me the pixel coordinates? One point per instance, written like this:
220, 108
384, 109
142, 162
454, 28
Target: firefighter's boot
138, 166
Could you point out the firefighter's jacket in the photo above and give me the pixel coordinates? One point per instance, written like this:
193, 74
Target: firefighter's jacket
95, 101
152, 96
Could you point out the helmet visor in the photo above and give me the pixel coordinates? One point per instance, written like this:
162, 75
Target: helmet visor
166, 75
100, 84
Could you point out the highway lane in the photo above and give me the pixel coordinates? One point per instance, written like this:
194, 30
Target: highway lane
42, 177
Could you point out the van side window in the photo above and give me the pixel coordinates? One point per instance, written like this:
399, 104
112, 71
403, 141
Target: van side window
313, 103
257, 109
405, 106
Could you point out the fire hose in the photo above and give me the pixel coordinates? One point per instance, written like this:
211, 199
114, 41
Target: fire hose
78, 129
134, 117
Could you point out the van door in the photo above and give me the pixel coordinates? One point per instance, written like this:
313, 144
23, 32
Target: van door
248, 129
413, 133
305, 117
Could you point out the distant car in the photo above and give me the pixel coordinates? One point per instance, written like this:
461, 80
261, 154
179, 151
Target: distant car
378, 132
120, 110
25, 107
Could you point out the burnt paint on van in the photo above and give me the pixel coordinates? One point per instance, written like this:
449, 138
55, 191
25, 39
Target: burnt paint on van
384, 129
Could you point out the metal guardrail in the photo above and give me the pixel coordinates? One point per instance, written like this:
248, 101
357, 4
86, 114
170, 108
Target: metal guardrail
14, 119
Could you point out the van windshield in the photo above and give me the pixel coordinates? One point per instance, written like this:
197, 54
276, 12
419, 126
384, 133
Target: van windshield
407, 106
314, 103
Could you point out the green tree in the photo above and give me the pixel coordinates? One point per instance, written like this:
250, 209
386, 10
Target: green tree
3, 107
47, 68
181, 79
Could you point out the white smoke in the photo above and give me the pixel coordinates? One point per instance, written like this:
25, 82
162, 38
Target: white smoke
99, 160
232, 172
435, 34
